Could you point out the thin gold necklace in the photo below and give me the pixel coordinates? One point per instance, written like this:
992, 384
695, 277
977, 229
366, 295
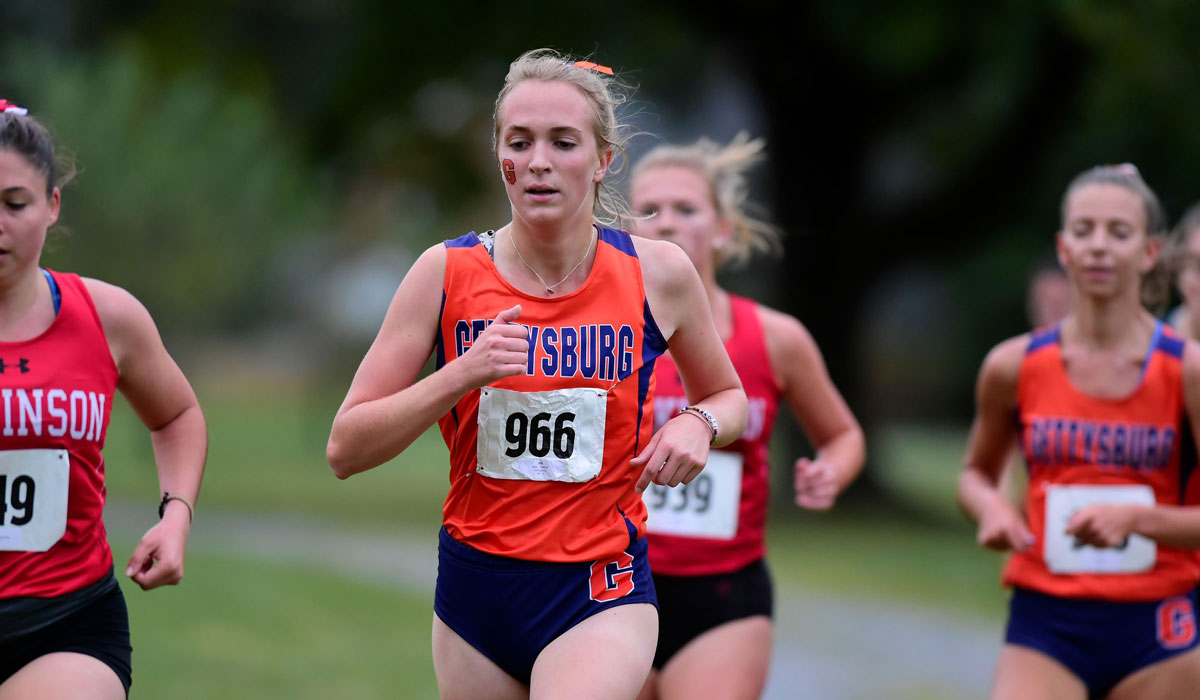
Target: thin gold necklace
550, 287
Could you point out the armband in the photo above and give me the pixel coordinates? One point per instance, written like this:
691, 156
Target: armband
704, 415
167, 497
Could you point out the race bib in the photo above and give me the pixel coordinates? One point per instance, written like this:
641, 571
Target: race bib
33, 498
1064, 555
706, 507
541, 435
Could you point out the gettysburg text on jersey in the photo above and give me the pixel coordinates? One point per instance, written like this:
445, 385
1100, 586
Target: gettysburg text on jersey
591, 351
1054, 441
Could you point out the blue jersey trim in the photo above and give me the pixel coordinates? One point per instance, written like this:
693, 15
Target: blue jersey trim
651, 333
653, 345
644, 375
629, 527
55, 292
440, 357
441, 346
1170, 345
620, 240
466, 240
1022, 441
1044, 337
1187, 455
1154, 341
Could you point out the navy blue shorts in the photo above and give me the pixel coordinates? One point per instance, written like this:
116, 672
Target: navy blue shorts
511, 609
1102, 641
100, 629
692, 605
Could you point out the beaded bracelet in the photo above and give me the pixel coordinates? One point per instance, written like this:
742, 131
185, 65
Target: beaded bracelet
167, 497
705, 416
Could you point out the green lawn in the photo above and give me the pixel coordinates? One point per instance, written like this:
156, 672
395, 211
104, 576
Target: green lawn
248, 629
244, 628
267, 453
919, 465
887, 558
240, 629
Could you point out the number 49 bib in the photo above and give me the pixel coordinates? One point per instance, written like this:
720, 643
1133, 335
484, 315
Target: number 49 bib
33, 498
541, 435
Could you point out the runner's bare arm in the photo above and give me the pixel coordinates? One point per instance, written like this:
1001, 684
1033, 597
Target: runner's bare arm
679, 450
164, 401
386, 408
1001, 527
818, 406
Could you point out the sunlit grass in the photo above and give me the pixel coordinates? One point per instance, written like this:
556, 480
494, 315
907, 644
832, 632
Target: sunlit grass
241, 629
267, 454
919, 464
888, 558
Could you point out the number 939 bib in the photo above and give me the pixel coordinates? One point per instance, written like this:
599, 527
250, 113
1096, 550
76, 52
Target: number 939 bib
33, 498
707, 507
541, 435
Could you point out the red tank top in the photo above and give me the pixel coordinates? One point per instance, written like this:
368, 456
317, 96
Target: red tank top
696, 554
56, 393
539, 462
1081, 449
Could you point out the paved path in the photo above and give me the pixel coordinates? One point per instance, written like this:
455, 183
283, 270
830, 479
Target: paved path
827, 647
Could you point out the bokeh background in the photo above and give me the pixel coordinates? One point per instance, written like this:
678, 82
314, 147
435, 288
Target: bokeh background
261, 175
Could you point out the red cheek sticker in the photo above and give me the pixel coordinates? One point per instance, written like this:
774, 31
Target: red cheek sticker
510, 171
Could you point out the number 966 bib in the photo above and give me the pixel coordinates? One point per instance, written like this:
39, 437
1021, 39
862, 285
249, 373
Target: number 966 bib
541, 435
33, 498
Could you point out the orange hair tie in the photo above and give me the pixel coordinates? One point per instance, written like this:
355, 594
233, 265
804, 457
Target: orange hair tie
588, 65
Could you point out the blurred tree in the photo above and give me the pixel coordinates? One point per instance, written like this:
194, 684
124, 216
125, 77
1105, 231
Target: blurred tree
942, 132
187, 192
918, 149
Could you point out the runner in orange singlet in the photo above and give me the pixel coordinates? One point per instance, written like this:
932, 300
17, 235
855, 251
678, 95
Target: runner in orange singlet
1105, 406
545, 332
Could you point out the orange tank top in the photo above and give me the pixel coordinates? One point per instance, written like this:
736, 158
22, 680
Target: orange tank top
1082, 450
539, 462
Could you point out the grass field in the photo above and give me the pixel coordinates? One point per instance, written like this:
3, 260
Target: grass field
244, 627
887, 558
919, 465
240, 629
252, 629
267, 454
